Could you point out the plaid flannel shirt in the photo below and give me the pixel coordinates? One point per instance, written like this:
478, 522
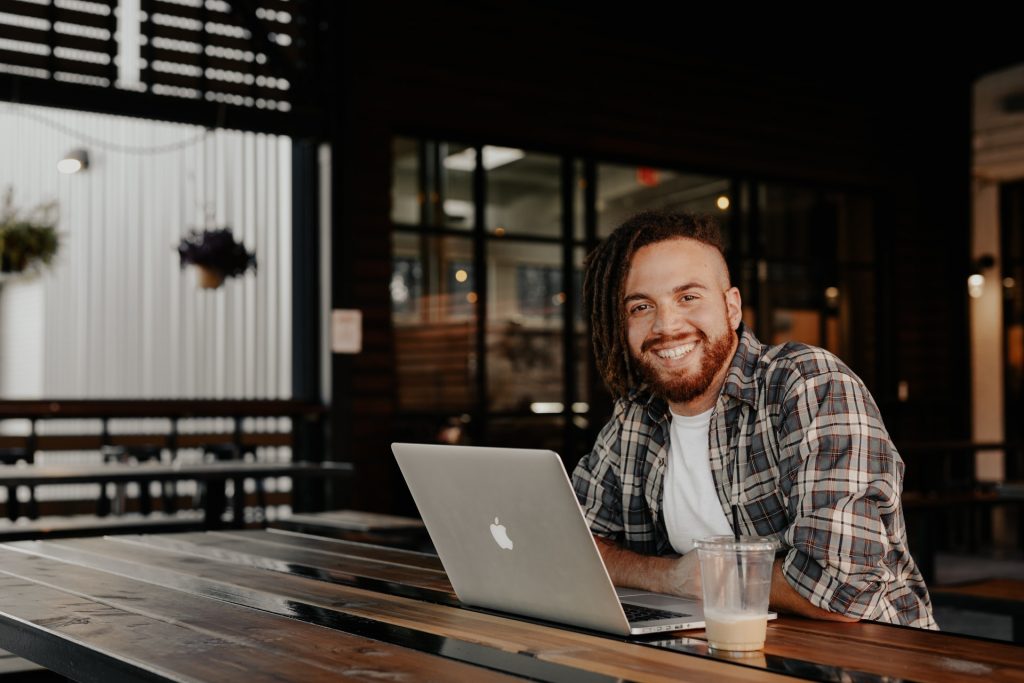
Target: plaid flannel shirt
819, 473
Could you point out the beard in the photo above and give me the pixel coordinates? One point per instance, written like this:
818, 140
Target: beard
685, 386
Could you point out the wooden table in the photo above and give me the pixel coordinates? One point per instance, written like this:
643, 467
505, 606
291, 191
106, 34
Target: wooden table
995, 596
272, 605
214, 475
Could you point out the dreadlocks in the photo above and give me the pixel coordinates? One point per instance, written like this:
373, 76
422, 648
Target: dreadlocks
606, 270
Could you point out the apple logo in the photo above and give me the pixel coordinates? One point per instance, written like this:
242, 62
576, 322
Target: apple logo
500, 536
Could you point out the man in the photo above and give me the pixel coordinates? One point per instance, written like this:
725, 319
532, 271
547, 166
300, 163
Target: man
711, 428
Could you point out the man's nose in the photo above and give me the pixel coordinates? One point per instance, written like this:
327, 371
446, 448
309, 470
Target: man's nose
668, 320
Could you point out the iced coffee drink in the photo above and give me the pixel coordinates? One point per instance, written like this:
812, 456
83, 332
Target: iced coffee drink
736, 576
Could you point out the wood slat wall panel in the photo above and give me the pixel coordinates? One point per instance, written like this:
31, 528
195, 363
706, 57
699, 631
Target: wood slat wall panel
61, 14
190, 52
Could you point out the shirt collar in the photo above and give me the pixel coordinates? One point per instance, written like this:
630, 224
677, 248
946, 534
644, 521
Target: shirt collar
741, 382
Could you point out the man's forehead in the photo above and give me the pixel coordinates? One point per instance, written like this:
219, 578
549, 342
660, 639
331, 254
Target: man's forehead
679, 257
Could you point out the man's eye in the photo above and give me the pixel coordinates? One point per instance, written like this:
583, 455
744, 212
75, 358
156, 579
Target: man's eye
688, 297
639, 308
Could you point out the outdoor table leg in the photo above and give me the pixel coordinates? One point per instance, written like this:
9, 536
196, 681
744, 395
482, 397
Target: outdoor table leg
103, 504
145, 498
13, 506
216, 501
170, 496
238, 503
33, 504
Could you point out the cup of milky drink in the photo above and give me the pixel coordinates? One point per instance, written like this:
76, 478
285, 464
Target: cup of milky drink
737, 576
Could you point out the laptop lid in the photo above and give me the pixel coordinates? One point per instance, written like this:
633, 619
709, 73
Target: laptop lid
511, 536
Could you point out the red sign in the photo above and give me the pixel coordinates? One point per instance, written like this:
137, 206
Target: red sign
647, 176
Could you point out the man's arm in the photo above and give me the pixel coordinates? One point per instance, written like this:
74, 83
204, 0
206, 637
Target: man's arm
841, 482
681, 576
784, 598
671, 575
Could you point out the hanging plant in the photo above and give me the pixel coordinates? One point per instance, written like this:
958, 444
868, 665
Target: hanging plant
27, 241
216, 255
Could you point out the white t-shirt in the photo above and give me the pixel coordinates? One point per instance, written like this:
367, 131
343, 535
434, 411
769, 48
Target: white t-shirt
692, 509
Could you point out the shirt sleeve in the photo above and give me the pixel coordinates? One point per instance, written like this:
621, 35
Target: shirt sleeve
843, 476
597, 485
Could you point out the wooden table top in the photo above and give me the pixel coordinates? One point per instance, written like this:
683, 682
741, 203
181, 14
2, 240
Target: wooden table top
273, 605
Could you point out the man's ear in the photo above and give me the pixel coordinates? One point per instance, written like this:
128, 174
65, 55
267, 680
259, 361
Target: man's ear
733, 307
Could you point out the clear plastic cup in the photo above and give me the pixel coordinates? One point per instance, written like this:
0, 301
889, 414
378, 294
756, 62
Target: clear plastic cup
737, 579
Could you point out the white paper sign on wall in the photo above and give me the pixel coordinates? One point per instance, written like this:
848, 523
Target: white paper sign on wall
346, 331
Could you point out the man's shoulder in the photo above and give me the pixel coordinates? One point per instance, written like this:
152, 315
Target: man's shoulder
796, 361
634, 413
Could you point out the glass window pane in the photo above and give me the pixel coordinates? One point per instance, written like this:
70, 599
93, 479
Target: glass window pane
579, 202
796, 224
452, 190
582, 332
624, 190
523, 192
432, 298
405, 181
524, 332
535, 431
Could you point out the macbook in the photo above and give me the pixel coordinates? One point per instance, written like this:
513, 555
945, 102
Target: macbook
511, 536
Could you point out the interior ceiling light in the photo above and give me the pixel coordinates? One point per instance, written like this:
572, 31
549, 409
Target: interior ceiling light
493, 158
74, 161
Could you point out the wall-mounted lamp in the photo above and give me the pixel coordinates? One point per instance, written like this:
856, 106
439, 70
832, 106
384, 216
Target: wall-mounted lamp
74, 161
976, 280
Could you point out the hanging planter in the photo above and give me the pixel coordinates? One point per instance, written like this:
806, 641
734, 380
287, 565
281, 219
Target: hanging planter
216, 255
27, 242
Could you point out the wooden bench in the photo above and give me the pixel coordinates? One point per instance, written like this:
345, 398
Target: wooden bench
214, 477
996, 596
924, 514
126, 433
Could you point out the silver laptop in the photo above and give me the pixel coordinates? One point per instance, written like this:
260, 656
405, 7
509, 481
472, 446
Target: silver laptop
511, 536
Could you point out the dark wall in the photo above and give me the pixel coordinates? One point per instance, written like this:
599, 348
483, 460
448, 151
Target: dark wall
547, 79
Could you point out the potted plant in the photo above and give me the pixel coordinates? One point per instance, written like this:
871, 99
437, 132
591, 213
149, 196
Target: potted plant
27, 241
216, 255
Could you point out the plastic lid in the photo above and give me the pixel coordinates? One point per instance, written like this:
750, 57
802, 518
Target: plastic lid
729, 543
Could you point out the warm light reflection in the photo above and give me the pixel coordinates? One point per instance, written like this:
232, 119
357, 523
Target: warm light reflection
461, 275
471, 297
975, 285
500, 232
723, 202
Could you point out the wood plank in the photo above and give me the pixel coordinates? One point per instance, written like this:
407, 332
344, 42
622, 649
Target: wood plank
282, 594
358, 520
153, 629
884, 652
295, 560
992, 589
409, 558
52, 474
92, 442
57, 526
909, 644
184, 408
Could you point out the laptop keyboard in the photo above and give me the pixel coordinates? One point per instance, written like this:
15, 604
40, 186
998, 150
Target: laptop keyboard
635, 613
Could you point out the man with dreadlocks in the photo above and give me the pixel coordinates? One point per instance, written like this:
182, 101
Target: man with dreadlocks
709, 420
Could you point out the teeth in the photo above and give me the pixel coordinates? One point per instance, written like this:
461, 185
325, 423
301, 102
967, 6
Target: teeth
677, 352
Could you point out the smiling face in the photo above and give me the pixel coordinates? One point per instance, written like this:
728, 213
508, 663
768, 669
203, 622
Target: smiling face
681, 320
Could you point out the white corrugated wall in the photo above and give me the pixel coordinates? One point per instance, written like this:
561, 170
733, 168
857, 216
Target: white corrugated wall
119, 318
